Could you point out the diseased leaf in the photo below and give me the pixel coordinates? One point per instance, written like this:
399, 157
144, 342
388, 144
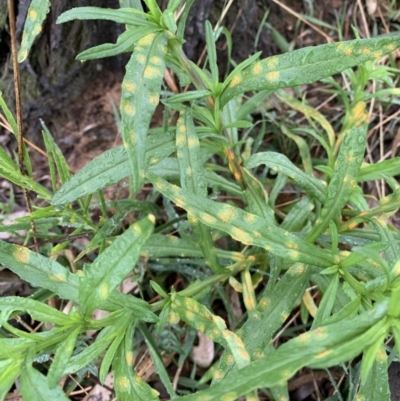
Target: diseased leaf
246, 227
140, 96
37, 12
113, 265
307, 65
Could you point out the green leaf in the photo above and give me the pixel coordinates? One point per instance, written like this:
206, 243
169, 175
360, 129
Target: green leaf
214, 327
344, 179
110, 354
377, 171
187, 97
10, 171
39, 270
376, 385
37, 12
272, 310
113, 265
128, 385
109, 168
327, 302
212, 53
124, 43
9, 372
129, 16
89, 354
298, 215
140, 96
246, 227
158, 361
62, 357
304, 350
307, 65
109, 226
192, 180
35, 387
56, 155
38, 310
280, 163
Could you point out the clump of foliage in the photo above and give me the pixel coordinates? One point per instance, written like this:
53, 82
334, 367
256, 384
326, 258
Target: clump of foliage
330, 237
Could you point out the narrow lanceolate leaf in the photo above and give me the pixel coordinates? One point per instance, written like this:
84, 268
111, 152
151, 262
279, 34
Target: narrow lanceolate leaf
140, 96
124, 43
272, 310
376, 386
129, 16
113, 265
318, 345
376, 171
37, 12
9, 371
280, 163
128, 385
159, 246
39, 270
35, 387
344, 179
109, 168
38, 310
308, 65
61, 358
247, 228
10, 171
193, 181
214, 327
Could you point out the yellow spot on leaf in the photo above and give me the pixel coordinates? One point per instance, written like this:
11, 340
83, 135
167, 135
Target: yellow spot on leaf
381, 355
151, 72
24, 55
129, 358
129, 109
229, 359
207, 218
155, 60
294, 255
32, 14
273, 76
103, 291
348, 51
153, 98
141, 58
320, 333
136, 228
377, 55
192, 142
323, 354
237, 175
264, 303
189, 315
183, 129
257, 69
189, 171
231, 396
391, 47
258, 354
271, 62
250, 218
123, 383
146, 40
21, 254
218, 375
130, 86
173, 318
236, 80
58, 277
365, 50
